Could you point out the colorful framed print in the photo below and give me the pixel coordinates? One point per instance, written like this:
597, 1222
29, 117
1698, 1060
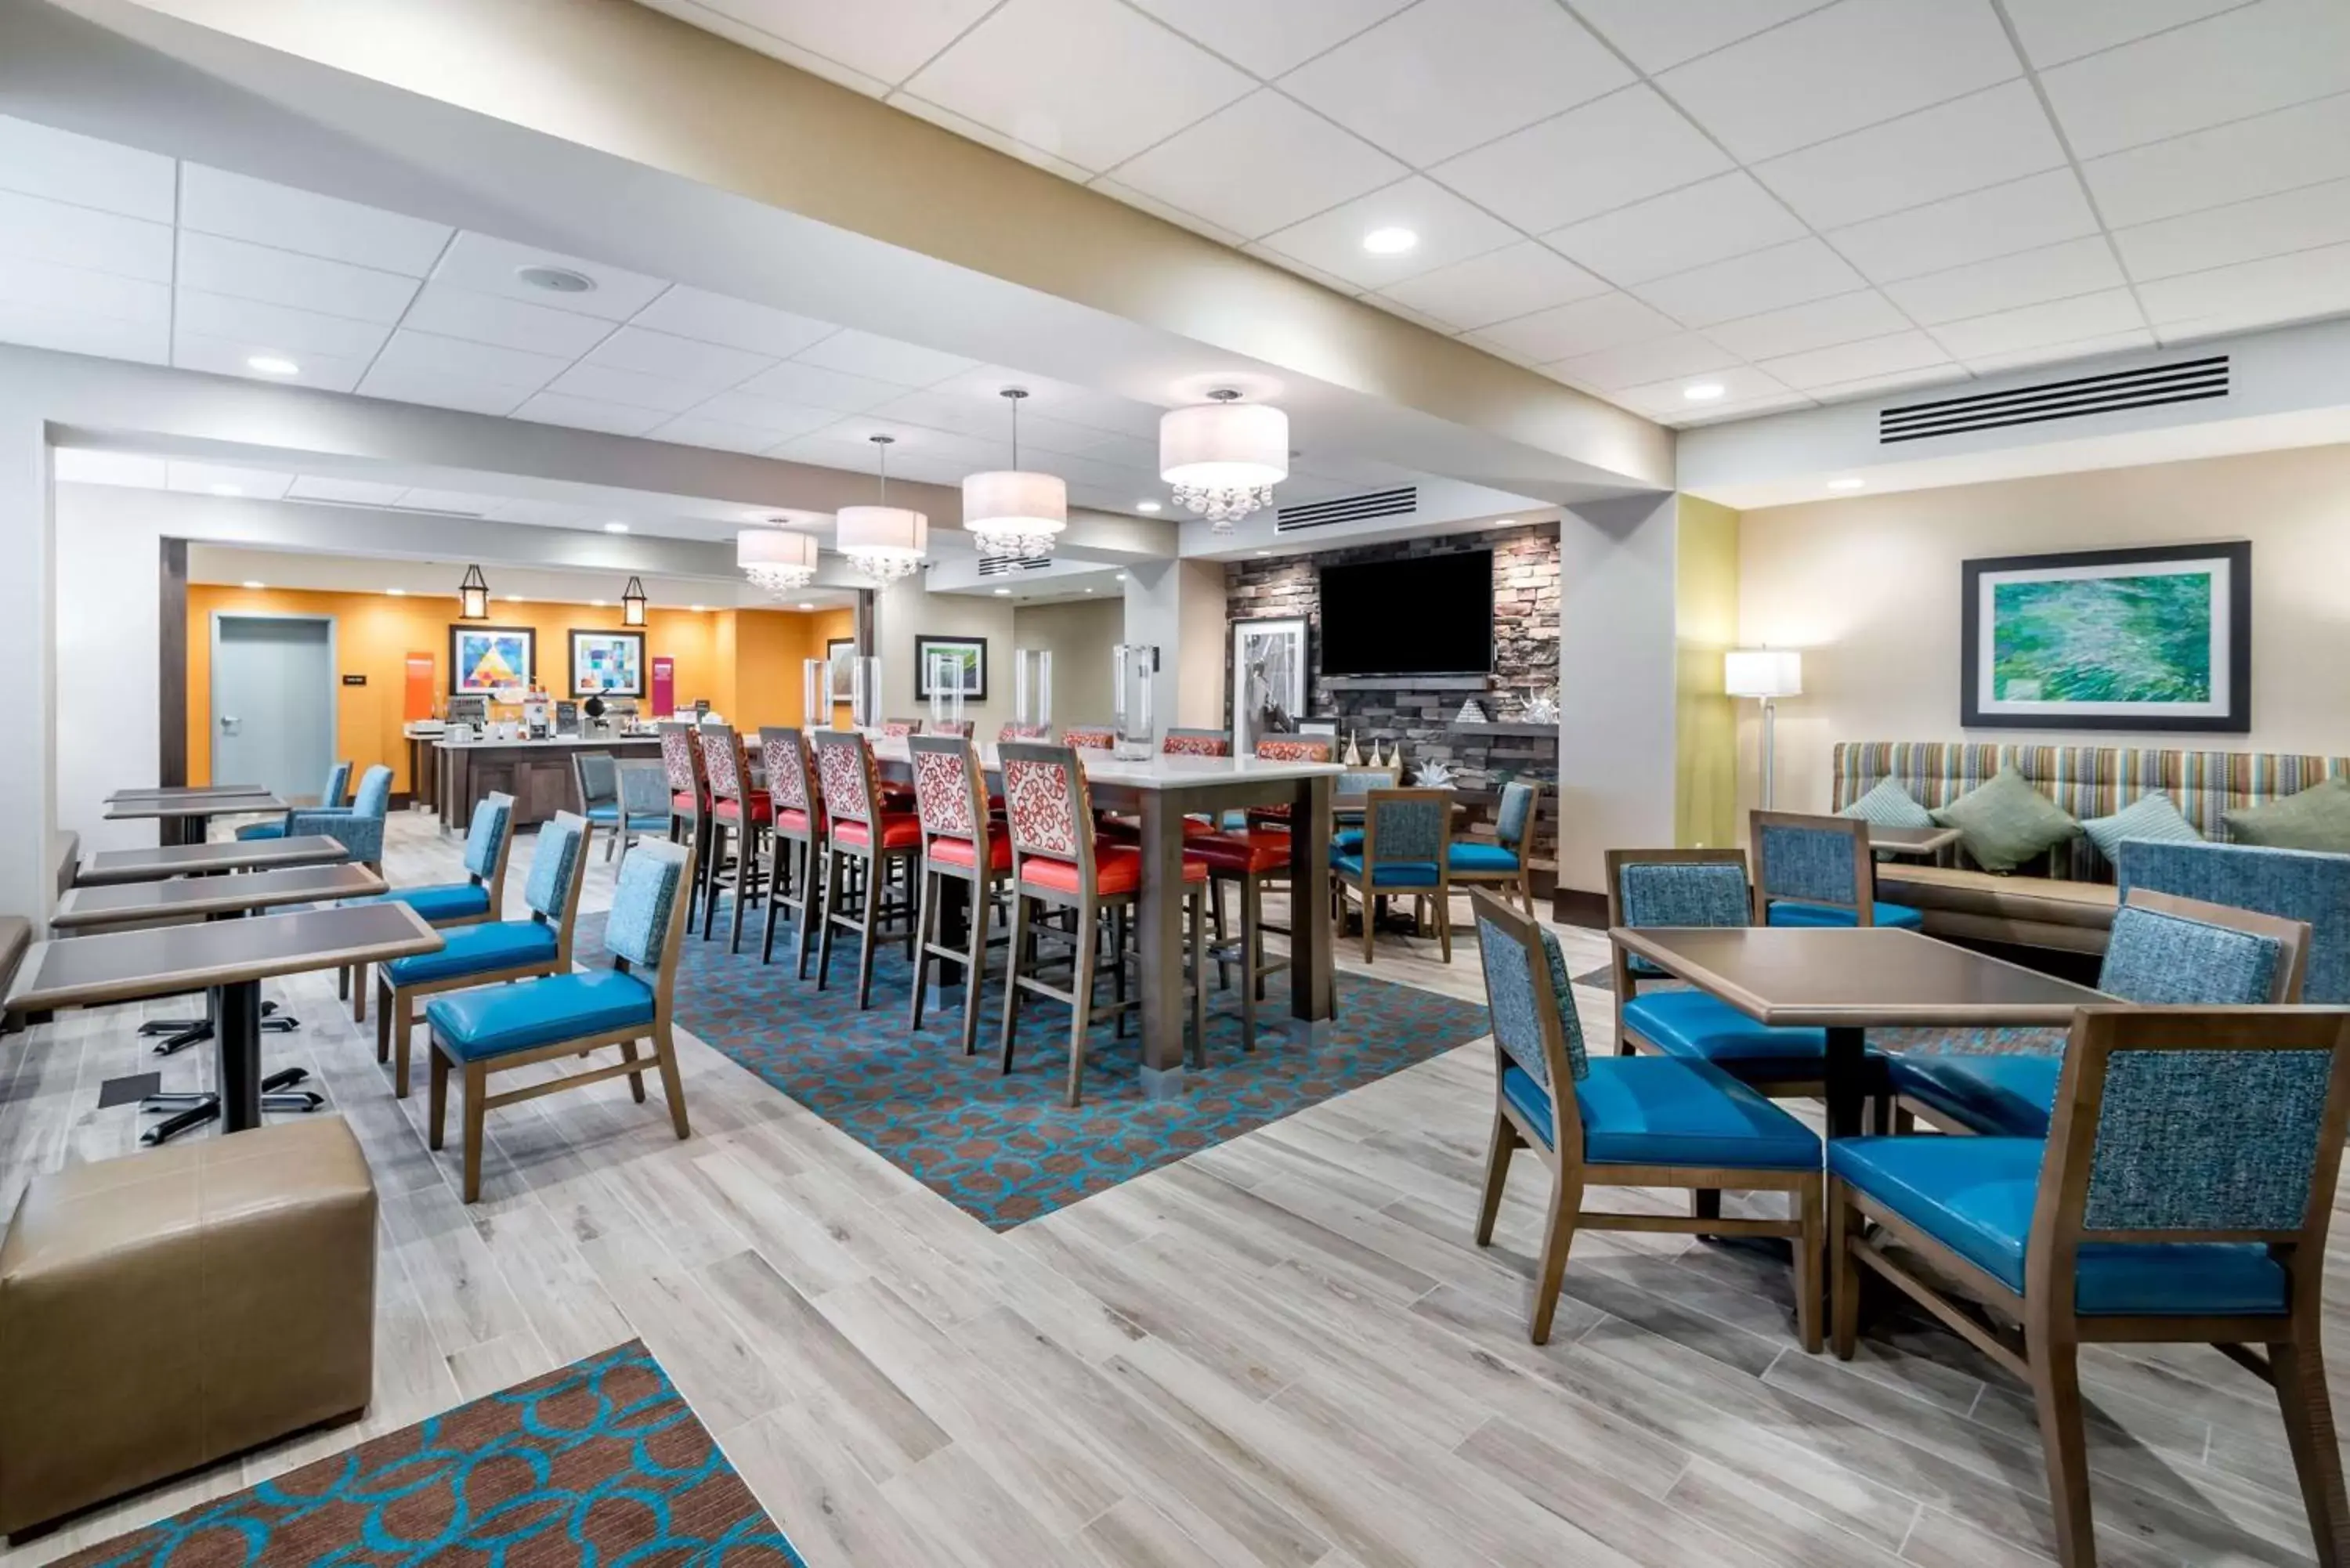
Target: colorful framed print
2156, 639
967, 656
608, 663
485, 660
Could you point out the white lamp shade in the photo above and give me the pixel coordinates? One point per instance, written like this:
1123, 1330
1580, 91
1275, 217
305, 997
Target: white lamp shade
1763, 672
777, 548
881, 531
1010, 500
1224, 446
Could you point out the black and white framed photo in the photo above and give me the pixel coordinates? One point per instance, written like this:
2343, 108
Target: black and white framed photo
965, 657
1268, 679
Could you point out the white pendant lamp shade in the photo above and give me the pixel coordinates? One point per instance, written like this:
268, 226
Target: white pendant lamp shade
1012, 514
778, 561
886, 542
1224, 457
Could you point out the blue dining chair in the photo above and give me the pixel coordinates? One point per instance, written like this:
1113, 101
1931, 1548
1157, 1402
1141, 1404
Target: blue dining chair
491, 952
1818, 871
2181, 1197
489, 838
497, 1029
1626, 1121
2292, 884
1508, 861
1351, 782
357, 827
1407, 837
330, 804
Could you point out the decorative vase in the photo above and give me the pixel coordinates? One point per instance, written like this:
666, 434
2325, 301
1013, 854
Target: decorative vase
1353, 757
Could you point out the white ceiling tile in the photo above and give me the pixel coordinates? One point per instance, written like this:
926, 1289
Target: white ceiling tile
1871, 357
777, 420
2290, 221
1143, 203
546, 514
215, 202
1984, 139
1896, 381
603, 384
2287, 287
1670, 398
988, 136
213, 478
1750, 285
1329, 280
448, 311
38, 229
1140, 82
1403, 312
41, 161
875, 38
1722, 413
737, 323
811, 386
706, 365
2243, 62
1515, 280
982, 388
219, 265
1624, 147
1260, 164
36, 285
419, 381
1635, 364
1840, 68
1843, 319
228, 357
492, 266
82, 332
1450, 230
1657, 37
2271, 153
1449, 75
1726, 216
692, 429
464, 502
428, 353
2025, 214
341, 492
2050, 353
2029, 277
1568, 331
849, 445
587, 414
1271, 39
276, 329
92, 465
2054, 31
881, 358
2061, 321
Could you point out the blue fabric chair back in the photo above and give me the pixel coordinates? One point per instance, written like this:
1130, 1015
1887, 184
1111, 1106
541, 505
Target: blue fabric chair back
1517, 808
2297, 884
644, 791
551, 864
644, 900
1406, 830
2164, 959
1810, 864
485, 836
596, 781
339, 779
1671, 893
1512, 986
1363, 781
374, 797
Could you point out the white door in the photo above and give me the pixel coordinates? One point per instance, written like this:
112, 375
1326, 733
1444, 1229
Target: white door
273, 702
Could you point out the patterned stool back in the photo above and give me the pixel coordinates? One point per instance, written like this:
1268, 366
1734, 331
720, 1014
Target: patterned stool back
1196, 743
898, 729
949, 794
682, 758
1048, 805
722, 764
844, 769
1088, 737
961, 728
791, 778
1028, 732
1296, 748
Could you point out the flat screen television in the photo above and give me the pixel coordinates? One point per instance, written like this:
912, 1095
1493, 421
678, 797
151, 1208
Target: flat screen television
1424, 615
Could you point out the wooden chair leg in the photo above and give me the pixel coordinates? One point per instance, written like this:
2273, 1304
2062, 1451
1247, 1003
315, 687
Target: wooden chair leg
1369, 923
1442, 901
2056, 1394
816, 903
1806, 1204
925, 914
776, 895
877, 880
1081, 990
711, 885
2299, 1370
745, 856
1558, 1236
1014, 951
1199, 977
974, 965
383, 1023
401, 1008
1497, 1176
1844, 1273
833, 863
476, 1117
1252, 957
672, 1085
437, 1099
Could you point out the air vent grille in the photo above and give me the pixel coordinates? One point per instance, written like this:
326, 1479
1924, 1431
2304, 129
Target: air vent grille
2187, 381
1399, 503
1006, 565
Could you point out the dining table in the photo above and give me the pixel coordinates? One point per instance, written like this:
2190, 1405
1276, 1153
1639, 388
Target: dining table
207, 859
187, 819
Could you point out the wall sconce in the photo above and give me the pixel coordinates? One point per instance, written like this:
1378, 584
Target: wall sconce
632, 603
474, 595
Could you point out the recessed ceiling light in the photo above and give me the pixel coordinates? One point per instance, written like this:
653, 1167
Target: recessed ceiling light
1089, 590
256, 585
1702, 391
1146, 506
616, 527
1121, 576
697, 608
1264, 552
513, 598
227, 490
272, 364
600, 603
808, 606
556, 279
1389, 242
397, 593
1001, 592
1847, 484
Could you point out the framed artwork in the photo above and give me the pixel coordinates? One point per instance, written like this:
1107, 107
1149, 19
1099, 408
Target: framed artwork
483, 658
2158, 638
969, 656
840, 656
1268, 679
608, 663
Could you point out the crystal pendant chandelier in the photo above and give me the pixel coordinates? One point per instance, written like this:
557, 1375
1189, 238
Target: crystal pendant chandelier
1010, 515
776, 560
1223, 457
886, 542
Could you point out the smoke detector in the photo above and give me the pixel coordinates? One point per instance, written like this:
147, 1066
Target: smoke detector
556, 279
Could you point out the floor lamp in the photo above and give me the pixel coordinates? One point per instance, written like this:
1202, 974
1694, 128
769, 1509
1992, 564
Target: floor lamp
1769, 673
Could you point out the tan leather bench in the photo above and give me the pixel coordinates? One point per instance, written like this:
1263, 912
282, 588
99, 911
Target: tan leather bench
1976, 906
166, 1310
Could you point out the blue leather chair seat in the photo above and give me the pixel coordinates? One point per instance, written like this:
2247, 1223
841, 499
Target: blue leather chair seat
1642, 966
2013, 1096
1665, 1110
1392, 873
1792, 912
263, 829
1691, 1023
498, 1020
1346, 841
1975, 1195
478, 950
1484, 857
439, 902
643, 822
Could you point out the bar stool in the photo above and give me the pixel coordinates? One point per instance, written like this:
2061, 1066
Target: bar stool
798, 829
962, 843
900, 729
1083, 737
688, 800
1011, 732
865, 840
1059, 862
736, 809
1247, 857
953, 729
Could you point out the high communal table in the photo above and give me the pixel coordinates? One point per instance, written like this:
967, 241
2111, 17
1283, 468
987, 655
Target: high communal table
1849, 980
1161, 791
111, 866
186, 818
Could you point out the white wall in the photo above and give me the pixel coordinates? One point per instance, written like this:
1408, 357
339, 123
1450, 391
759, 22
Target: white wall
1868, 587
108, 661
906, 610
1617, 659
27, 594
1079, 635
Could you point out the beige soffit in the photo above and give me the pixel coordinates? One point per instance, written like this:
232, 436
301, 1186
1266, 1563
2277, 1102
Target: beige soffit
629, 82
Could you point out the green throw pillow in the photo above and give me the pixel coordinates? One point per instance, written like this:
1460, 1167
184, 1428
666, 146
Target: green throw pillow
2316, 818
2005, 822
1890, 806
2149, 817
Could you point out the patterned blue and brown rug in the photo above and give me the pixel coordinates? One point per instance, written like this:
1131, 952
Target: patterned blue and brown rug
600, 1461
1005, 1148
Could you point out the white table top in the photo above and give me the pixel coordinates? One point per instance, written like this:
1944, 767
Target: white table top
1154, 773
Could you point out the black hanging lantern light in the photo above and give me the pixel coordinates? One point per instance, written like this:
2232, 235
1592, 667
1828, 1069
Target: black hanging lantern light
474, 595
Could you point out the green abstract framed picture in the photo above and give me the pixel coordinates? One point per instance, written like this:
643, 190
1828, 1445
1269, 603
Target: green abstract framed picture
2156, 639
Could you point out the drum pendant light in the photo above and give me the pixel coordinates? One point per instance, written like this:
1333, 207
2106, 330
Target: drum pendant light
1010, 515
1223, 456
884, 541
777, 561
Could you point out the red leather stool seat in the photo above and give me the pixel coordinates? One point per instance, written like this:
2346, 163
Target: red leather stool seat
899, 830
1252, 853
963, 853
1118, 869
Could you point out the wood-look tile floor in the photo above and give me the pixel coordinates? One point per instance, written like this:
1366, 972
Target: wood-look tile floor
1284, 1351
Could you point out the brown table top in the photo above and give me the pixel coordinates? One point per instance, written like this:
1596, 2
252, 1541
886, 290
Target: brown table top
190, 898
127, 966
1910, 840
1853, 977
187, 859
134, 807
183, 792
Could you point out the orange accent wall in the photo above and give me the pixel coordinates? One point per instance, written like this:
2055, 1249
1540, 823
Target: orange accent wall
746, 662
